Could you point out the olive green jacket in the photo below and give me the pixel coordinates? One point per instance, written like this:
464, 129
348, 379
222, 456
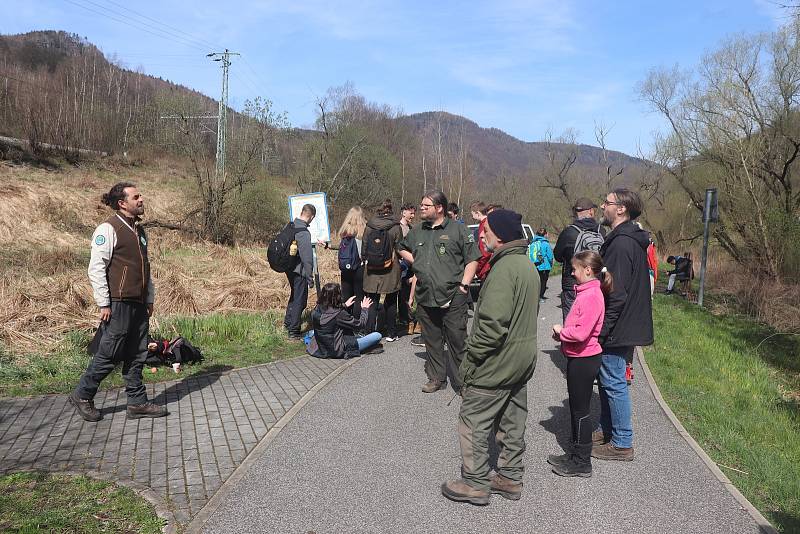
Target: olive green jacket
501, 349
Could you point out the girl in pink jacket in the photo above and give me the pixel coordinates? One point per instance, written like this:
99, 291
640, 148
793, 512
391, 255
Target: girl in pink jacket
579, 344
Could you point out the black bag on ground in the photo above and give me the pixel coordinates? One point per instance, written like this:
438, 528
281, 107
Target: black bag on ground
278, 252
378, 250
167, 352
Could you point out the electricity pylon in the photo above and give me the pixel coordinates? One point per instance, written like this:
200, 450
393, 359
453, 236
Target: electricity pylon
224, 58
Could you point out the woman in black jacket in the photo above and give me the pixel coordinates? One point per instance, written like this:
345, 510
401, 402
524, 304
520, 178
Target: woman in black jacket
334, 327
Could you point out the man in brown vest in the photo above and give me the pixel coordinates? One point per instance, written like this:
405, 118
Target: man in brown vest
119, 272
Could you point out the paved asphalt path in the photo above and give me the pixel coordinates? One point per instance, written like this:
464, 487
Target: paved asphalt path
370, 451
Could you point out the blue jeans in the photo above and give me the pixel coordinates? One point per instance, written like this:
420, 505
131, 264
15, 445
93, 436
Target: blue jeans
368, 341
615, 401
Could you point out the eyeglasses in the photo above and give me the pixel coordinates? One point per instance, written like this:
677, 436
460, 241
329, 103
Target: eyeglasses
609, 203
425, 206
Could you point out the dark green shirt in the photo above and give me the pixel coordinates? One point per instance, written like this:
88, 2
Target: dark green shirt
440, 255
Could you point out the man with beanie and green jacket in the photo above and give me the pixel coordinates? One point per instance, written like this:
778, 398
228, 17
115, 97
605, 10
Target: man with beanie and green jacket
500, 359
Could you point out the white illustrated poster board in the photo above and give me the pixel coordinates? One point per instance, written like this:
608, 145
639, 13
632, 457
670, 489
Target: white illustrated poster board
320, 228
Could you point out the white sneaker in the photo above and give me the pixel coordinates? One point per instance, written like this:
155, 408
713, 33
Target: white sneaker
391, 339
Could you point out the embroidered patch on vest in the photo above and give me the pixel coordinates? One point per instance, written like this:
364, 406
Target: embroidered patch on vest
100, 240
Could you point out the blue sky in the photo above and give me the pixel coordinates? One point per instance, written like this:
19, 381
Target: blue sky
521, 66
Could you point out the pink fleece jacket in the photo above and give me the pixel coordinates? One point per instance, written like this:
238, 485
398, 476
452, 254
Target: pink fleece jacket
584, 321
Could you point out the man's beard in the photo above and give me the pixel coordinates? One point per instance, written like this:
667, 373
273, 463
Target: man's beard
604, 221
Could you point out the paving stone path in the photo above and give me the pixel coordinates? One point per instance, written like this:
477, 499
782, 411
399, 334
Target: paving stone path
215, 421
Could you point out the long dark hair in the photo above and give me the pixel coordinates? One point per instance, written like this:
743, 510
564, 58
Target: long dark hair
117, 193
593, 260
330, 296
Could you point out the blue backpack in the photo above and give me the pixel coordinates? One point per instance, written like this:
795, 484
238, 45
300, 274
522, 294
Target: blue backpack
349, 258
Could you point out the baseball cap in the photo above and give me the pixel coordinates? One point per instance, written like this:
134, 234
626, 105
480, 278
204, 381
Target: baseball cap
582, 204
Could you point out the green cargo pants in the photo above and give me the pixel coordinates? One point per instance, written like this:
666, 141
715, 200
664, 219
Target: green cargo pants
502, 411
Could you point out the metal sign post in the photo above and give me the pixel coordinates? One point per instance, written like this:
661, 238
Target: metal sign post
710, 214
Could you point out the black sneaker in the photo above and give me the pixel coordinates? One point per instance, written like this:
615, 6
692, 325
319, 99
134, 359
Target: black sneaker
418, 342
85, 408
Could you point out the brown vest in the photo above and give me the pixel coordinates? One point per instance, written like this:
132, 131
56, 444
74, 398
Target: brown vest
129, 270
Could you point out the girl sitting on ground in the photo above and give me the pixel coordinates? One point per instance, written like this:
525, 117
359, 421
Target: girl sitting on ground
579, 343
334, 327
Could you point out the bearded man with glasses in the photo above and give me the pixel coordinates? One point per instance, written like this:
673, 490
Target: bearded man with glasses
444, 256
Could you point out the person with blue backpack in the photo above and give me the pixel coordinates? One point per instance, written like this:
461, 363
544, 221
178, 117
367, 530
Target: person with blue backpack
351, 234
541, 254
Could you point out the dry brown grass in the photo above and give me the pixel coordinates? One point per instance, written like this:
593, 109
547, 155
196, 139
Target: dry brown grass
45, 230
767, 300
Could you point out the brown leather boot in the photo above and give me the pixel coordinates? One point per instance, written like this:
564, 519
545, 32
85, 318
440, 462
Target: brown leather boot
459, 490
148, 409
608, 451
434, 385
506, 487
85, 408
599, 438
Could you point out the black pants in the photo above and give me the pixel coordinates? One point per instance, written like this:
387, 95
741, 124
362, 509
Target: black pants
404, 310
581, 373
567, 298
124, 339
543, 276
440, 325
353, 285
389, 309
297, 303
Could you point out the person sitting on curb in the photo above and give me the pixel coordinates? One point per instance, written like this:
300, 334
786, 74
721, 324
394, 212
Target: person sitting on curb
500, 360
333, 335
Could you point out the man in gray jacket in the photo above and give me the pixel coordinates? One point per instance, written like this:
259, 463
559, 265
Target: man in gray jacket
302, 277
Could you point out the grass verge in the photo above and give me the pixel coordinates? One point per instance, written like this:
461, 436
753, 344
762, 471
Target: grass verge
739, 398
228, 341
40, 502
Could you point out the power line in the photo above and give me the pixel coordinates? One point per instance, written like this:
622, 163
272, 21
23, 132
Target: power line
200, 40
137, 24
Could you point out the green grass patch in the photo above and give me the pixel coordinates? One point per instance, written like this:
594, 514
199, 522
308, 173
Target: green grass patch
738, 394
228, 341
39, 502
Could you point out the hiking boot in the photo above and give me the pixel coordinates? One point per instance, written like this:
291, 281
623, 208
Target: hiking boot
148, 409
418, 342
608, 451
558, 459
599, 438
579, 463
434, 385
85, 408
505, 487
629, 373
458, 490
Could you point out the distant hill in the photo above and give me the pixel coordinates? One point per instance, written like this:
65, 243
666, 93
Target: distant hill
58, 88
493, 152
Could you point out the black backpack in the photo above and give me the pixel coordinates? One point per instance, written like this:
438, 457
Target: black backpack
278, 252
349, 258
378, 250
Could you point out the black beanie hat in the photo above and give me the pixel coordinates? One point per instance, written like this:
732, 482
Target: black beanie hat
506, 225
